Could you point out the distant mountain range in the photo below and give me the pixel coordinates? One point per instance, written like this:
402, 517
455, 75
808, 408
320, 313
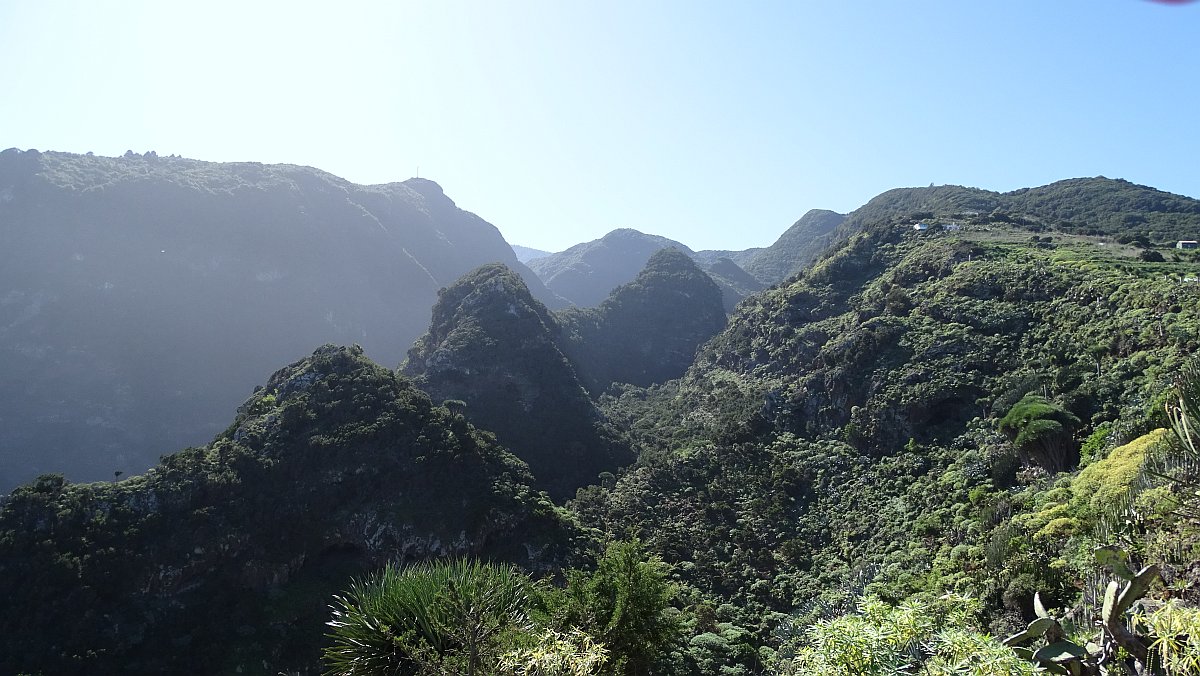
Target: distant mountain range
585, 273
141, 297
525, 254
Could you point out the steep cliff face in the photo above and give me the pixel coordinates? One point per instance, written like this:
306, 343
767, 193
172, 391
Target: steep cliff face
648, 330
224, 557
492, 346
119, 277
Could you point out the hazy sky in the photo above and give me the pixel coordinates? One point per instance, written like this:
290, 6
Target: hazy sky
717, 124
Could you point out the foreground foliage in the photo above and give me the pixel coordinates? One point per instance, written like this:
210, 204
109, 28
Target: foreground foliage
934, 636
429, 618
467, 617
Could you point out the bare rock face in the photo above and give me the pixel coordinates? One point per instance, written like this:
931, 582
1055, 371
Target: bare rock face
492, 348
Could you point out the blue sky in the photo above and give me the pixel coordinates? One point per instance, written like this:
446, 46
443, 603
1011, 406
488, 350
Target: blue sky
717, 124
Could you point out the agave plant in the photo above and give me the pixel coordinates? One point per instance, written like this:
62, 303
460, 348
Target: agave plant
1184, 411
444, 617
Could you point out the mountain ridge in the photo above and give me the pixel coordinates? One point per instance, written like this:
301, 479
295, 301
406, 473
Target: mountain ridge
121, 274
648, 330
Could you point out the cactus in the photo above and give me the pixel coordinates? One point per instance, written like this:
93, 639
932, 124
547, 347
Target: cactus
1117, 604
1060, 656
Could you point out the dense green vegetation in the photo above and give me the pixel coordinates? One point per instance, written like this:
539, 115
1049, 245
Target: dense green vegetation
226, 556
939, 636
463, 617
1099, 206
969, 449
796, 248
911, 412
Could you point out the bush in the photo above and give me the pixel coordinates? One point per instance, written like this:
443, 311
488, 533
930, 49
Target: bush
624, 604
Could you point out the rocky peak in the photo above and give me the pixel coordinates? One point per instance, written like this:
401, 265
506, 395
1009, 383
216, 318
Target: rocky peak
428, 189
490, 296
493, 346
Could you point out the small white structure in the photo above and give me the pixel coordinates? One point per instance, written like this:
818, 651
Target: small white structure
1187, 244
951, 227
921, 227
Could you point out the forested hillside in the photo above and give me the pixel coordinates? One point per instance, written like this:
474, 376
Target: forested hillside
929, 438
796, 248
142, 295
493, 351
910, 412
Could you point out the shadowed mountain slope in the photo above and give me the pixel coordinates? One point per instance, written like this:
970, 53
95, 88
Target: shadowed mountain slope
648, 330
586, 273
139, 295
526, 254
797, 247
